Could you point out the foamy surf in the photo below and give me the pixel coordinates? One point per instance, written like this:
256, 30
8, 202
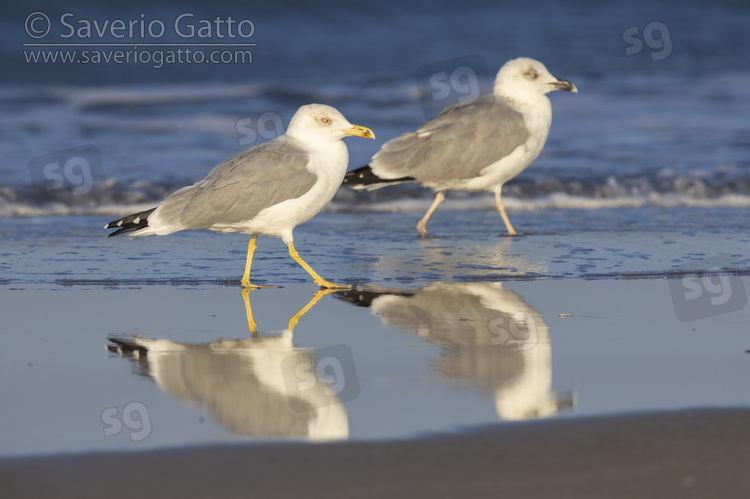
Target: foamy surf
479, 202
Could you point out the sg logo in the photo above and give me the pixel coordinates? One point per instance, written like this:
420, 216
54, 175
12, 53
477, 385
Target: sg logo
462, 81
267, 126
519, 329
75, 170
655, 35
451, 82
326, 378
134, 416
709, 293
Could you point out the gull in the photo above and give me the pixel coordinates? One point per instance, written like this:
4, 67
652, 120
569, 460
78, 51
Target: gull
476, 145
262, 385
268, 189
242, 383
489, 335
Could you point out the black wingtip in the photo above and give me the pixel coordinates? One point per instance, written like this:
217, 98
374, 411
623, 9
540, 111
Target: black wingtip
130, 223
125, 346
360, 176
364, 298
364, 177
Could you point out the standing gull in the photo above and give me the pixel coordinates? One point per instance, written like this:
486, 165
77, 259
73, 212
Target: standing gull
268, 189
474, 146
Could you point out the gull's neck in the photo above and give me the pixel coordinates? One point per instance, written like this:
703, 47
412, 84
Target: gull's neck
535, 107
328, 157
316, 143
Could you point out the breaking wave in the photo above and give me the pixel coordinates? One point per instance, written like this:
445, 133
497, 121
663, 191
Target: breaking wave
723, 189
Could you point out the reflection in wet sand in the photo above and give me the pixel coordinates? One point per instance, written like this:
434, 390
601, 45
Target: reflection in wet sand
457, 260
245, 385
491, 338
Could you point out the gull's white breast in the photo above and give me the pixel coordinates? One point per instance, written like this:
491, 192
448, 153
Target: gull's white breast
328, 163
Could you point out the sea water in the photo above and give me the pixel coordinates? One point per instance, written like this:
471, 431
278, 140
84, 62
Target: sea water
626, 290
661, 118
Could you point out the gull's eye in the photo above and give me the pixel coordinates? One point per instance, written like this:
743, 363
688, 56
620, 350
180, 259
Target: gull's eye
324, 120
532, 74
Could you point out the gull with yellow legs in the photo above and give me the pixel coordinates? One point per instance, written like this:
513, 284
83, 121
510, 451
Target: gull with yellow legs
268, 189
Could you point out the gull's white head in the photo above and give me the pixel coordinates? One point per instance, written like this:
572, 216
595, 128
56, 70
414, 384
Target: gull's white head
318, 123
525, 79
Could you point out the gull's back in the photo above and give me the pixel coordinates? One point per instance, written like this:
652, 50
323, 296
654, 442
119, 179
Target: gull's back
237, 190
457, 144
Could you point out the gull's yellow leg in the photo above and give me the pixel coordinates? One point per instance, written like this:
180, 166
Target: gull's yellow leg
251, 324
318, 280
315, 299
501, 210
422, 224
248, 263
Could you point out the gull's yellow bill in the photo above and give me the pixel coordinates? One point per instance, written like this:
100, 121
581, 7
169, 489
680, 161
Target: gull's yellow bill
359, 131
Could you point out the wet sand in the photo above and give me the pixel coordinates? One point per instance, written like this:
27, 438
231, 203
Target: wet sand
670, 454
613, 365
377, 248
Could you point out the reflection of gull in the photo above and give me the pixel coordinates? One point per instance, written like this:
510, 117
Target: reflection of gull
243, 384
269, 189
476, 145
491, 338
461, 261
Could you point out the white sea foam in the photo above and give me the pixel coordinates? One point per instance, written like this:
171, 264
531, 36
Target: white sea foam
415, 205
552, 201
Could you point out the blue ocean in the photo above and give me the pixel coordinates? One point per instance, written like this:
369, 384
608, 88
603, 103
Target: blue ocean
661, 118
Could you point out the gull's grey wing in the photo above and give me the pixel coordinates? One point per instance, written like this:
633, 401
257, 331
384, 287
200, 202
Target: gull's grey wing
456, 144
241, 187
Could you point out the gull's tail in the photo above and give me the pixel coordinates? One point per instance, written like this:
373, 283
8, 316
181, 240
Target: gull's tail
130, 223
364, 178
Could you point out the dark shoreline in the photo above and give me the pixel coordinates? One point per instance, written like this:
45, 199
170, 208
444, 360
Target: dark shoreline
687, 453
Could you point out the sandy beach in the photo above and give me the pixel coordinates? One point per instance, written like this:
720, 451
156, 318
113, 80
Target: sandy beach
464, 364
672, 454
